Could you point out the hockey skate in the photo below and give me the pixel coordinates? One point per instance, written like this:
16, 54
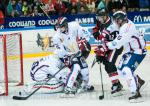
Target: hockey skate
136, 97
68, 92
141, 83
116, 89
85, 88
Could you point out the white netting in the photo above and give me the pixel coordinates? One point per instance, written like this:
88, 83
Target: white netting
1, 59
13, 56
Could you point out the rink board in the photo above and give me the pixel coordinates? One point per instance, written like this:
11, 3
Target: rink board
31, 49
32, 52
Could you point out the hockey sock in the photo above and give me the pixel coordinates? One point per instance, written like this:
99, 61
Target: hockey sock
130, 79
114, 77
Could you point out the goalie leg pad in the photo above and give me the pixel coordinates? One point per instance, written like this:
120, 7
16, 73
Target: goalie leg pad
51, 86
73, 75
85, 75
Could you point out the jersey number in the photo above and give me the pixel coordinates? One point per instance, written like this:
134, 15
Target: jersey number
35, 64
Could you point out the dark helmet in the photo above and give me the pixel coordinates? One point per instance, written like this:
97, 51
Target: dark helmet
120, 15
102, 12
62, 22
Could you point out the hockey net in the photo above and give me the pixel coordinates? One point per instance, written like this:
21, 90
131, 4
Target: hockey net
11, 60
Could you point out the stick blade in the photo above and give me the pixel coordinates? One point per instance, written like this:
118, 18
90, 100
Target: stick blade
19, 98
101, 97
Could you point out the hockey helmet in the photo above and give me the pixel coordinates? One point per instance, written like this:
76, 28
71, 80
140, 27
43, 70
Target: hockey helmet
62, 22
102, 15
120, 15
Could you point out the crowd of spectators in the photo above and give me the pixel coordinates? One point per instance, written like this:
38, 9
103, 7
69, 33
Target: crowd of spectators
31, 8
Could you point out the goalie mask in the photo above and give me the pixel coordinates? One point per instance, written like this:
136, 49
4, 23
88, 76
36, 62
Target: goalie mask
63, 24
119, 18
102, 15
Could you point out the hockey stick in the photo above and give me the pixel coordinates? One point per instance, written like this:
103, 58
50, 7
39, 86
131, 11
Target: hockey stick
26, 97
93, 63
46, 14
101, 96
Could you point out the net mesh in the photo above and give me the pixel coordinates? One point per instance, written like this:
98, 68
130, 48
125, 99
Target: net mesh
10, 59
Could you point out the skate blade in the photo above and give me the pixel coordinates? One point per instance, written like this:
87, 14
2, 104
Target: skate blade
138, 100
67, 95
120, 93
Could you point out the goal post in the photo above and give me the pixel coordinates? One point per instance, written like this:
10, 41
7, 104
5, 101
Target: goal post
11, 60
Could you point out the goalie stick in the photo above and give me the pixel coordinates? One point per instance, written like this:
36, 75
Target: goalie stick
26, 97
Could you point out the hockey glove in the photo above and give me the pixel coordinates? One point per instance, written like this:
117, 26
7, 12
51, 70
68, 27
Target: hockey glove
100, 52
82, 43
69, 61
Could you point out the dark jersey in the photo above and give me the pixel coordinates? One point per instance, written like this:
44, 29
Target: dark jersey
108, 29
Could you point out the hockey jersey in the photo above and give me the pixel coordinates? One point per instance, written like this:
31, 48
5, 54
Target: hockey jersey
66, 43
130, 38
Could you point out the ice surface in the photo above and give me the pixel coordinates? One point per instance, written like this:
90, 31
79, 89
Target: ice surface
84, 99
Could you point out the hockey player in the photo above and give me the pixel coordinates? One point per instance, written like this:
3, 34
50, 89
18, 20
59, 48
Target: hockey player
70, 37
134, 52
46, 68
105, 30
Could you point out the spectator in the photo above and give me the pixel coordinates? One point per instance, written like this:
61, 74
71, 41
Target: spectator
13, 14
2, 7
81, 4
30, 11
39, 5
60, 7
49, 7
91, 6
83, 10
73, 8
133, 6
19, 7
116, 5
144, 5
36, 13
1, 17
25, 8
11, 8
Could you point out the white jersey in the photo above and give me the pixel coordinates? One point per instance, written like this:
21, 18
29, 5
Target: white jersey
46, 66
130, 38
66, 42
